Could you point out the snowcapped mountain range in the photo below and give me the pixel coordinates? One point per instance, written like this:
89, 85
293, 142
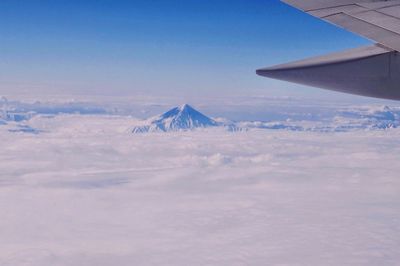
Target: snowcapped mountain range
185, 118
32, 118
181, 118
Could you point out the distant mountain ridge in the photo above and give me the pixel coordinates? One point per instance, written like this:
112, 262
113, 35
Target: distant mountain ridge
22, 117
186, 118
181, 118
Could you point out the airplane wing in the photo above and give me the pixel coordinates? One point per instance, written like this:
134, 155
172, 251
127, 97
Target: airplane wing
374, 70
373, 19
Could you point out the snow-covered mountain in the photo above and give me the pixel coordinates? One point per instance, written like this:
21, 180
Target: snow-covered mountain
359, 118
368, 118
181, 118
16, 116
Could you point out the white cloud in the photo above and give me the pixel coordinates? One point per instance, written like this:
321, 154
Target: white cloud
87, 192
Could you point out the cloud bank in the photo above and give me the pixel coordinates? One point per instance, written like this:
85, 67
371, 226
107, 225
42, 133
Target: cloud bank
85, 191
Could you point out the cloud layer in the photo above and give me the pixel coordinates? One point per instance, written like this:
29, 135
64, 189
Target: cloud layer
87, 192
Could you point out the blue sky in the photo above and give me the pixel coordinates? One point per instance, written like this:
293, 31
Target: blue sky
188, 47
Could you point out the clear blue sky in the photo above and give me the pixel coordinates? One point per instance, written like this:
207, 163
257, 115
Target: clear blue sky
189, 47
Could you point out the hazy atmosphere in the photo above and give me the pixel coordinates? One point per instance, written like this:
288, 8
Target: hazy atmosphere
138, 133
200, 48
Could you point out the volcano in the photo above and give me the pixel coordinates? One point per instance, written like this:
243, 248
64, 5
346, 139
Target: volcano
183, 118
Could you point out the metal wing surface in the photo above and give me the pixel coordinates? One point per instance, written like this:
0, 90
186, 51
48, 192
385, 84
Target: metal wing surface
369, 71
377, 20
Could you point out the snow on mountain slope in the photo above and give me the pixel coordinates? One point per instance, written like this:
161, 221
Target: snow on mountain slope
368, 118
15, 116
181, 118
353, 118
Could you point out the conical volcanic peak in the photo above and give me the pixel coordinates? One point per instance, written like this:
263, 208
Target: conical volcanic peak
185, 106
180, 118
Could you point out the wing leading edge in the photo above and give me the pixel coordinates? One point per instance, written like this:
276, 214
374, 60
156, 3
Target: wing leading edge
370, 71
